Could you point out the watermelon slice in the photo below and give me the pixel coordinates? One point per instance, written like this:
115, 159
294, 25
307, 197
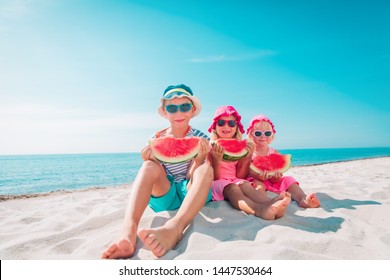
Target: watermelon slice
272, 163
174, 150
233, 149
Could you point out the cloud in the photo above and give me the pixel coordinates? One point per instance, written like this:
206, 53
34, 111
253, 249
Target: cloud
243, 57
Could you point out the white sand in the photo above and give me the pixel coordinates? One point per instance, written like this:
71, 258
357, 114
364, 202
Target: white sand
353, 222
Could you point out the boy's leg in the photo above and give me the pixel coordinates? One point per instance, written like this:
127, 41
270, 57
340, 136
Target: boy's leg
162, 239
151, 179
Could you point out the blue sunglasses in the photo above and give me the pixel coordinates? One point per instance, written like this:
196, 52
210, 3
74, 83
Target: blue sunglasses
231, 123
184, 108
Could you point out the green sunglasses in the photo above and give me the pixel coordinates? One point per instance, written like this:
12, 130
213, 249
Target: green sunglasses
184, 108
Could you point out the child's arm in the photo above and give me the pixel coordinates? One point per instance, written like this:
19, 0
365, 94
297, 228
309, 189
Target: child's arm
200, 157
243, 164
216, 154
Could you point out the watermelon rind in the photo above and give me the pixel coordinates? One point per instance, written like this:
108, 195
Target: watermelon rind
287, 158
174, 150
230, 155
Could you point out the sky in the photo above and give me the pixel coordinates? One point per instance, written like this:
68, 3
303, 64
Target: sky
80, 76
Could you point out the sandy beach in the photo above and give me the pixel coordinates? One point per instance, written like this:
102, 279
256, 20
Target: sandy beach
353, 222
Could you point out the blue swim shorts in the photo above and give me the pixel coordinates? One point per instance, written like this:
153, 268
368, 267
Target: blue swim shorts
173, 199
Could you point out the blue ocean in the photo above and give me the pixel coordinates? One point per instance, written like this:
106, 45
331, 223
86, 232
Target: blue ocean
32, 174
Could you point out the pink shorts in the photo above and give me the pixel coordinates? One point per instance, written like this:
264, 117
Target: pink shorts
218, 186
280, 186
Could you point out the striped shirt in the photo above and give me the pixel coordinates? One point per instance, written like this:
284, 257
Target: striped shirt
179, 170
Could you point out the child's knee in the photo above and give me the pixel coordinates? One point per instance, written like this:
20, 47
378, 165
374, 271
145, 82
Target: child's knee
205, 170
150, 167
231, 188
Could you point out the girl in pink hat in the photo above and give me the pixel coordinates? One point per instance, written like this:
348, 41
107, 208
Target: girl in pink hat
262, 131
229, 183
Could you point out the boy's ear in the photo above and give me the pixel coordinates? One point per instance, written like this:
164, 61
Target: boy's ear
164, 111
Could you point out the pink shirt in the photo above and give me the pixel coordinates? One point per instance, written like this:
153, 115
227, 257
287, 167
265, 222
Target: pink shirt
228, 169
227, 176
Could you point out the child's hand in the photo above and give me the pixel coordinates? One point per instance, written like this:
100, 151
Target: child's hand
276, 178
216, 152
147, 154
203, 150
263, 175
250, 146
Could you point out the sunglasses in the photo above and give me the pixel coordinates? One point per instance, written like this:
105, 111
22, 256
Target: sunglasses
258, 133
184, 108
231, 123
176, 92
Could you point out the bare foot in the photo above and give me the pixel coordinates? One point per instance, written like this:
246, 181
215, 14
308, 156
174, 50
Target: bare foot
160, 240
267, 212
285, 200
275, 208
123, 249
311, 201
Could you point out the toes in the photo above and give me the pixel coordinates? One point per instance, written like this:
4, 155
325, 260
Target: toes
147, 238
110, 250
152, 242
122, 249
313, 200
143, 234
159, 251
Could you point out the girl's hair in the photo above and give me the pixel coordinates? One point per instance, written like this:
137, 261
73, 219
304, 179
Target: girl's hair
214, 136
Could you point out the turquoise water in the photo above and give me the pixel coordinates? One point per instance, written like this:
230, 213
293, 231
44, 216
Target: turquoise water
320, 156
45, 173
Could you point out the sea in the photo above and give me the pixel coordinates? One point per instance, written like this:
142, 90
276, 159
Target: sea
35, 174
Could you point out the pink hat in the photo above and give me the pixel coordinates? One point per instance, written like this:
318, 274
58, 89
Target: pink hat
227, 111
260, 118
